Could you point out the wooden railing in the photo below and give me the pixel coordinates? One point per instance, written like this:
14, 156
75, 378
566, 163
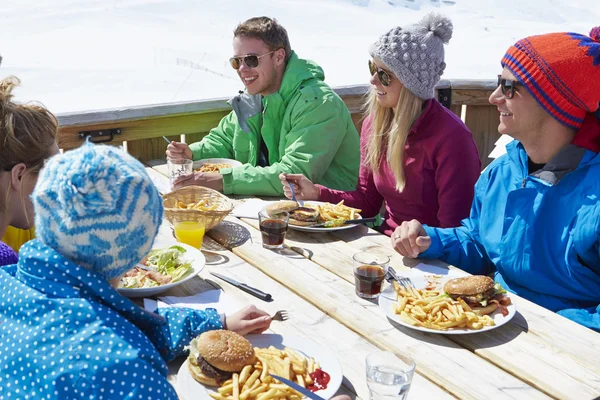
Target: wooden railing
141, 128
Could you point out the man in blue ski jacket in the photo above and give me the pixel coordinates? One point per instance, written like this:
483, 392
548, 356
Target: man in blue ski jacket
535, 218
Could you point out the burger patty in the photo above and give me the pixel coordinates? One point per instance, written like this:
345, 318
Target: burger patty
304, 214
474, 300
211, 371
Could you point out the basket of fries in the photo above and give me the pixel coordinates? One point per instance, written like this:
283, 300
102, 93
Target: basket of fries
196, 203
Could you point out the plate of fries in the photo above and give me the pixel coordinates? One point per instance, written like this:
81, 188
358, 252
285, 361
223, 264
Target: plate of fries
427, 308
334, 213
289, 357
214, 164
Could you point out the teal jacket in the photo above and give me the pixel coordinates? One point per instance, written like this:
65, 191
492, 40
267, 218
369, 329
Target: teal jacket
539, 232
306, 127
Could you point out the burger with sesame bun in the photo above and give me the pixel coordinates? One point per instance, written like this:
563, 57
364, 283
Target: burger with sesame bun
216, 355
300, 216
480, 293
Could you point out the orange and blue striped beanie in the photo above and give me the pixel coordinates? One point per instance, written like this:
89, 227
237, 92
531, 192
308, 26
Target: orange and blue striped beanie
561, 71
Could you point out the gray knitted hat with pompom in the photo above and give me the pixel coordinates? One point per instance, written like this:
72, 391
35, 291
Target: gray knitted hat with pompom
415, 54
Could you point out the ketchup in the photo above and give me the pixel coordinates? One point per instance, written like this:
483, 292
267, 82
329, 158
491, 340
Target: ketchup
320, 380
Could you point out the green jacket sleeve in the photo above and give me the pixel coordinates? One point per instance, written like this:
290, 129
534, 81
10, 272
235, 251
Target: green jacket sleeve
317, 131
219, 141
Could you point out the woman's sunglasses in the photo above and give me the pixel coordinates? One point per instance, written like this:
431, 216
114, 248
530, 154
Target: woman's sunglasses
251, 60
507, 86
383, 76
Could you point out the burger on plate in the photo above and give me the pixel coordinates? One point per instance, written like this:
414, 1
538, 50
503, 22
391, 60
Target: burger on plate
216, 355
480, 293
300, 216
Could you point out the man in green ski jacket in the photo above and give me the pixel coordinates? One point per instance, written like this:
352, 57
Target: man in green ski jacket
287, 121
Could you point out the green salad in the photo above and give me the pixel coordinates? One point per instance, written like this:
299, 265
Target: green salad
160, 267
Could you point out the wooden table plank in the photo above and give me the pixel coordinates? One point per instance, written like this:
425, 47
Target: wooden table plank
548, 360
306, 320
444, 362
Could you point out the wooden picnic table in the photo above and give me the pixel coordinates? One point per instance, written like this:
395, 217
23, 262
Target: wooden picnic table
538, 354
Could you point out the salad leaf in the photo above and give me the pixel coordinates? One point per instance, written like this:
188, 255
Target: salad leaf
169, 261
334, 223
499, 289
135, 282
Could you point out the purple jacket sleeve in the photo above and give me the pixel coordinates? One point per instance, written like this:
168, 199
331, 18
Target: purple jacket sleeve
457, 169
365, 197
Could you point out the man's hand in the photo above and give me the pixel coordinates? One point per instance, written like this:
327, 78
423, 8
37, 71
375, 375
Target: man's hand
211, 180
248, 320
410, 239
178, 151
303, 187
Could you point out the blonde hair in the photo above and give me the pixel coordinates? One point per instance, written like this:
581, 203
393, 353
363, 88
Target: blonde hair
389, 131
27, 133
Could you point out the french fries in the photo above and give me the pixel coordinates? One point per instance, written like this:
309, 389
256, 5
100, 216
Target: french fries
255, 383
335, 212
210, 167
430, 309
201, 205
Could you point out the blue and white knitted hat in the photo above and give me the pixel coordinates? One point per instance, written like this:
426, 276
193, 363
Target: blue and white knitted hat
97, 206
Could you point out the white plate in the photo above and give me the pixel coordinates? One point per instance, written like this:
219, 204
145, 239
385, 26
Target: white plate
387, 300
321, 229
192, 254
199, 163
191, 389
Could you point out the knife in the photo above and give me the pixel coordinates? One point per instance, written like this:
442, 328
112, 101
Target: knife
248, 289
350, 221
298, 388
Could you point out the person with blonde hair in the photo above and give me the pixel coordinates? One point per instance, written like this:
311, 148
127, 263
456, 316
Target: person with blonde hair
416, 156
27, 138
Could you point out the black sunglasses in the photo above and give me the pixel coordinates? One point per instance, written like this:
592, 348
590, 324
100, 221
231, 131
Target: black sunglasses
383, 76
251, 60
507, 86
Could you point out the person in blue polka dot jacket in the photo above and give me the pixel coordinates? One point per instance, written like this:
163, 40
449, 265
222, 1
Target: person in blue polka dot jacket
65, 332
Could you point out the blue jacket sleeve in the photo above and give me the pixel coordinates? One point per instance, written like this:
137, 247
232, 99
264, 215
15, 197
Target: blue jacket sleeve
588, 317
182, 325
462, 246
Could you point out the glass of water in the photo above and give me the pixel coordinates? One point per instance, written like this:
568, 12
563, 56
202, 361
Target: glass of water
389, 376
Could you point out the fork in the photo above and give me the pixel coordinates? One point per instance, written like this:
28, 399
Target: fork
300, 202
404, 281
280, 315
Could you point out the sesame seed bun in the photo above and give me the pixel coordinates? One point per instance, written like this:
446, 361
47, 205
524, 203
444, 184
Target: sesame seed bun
469, 286
225, 350
281, 206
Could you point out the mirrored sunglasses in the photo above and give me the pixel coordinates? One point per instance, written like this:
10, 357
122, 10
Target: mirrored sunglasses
251, 60
382, 75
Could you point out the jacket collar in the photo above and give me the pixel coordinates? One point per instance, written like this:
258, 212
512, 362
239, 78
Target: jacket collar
567, 160
430, 109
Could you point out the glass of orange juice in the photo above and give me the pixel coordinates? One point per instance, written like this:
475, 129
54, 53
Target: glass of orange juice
190, 232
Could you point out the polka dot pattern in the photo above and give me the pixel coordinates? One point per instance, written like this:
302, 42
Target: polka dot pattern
68, 334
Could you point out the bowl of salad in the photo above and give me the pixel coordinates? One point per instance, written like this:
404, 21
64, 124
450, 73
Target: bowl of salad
162, 269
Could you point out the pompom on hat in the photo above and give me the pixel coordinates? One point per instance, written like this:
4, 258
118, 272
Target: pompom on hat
561, 71
97, 206
415, 54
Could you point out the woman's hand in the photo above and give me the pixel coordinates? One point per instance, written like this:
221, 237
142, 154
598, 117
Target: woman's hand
248, 320
304, 189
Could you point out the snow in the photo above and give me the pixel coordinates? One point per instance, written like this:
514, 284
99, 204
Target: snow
77, 55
